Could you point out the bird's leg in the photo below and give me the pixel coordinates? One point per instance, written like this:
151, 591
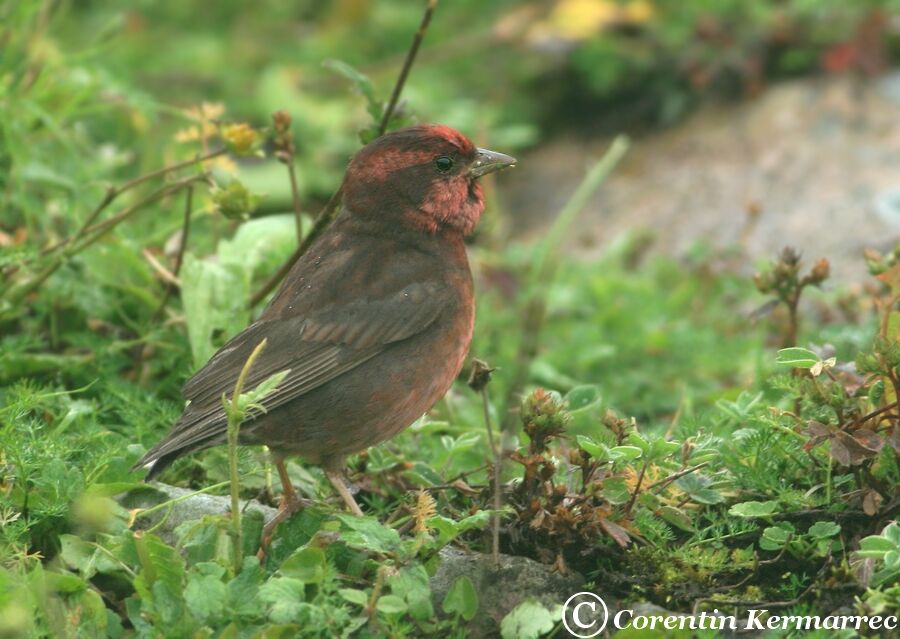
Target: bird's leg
288, 494
290, 503
338, 482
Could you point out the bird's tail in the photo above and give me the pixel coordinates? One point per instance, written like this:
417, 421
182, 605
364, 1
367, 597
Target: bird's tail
194, 431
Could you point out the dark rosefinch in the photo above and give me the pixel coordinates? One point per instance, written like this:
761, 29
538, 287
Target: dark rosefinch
374, 321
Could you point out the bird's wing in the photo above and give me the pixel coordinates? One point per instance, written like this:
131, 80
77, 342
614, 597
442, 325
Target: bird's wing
315, 349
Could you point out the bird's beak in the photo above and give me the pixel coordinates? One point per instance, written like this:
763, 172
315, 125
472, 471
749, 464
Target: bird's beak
489, 161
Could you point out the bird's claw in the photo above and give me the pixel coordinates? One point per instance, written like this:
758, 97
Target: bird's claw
286, 509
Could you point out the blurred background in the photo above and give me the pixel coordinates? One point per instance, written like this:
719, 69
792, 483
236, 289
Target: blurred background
754, 121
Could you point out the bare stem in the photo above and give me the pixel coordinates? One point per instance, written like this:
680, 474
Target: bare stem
179, 258
407, 65
235, 417
662, 483
101, 228
112, 192
637, 488
295, 198
98, 230
793, 326
498, 463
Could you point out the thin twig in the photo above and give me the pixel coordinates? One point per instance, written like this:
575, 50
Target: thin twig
768, 604
637, 487
665, 481
164, 274
479, 378
876, 413
99, 230
498, 464
295, 198
326, 215
754, 570
112, 192
407, 66
285, 153
182, 245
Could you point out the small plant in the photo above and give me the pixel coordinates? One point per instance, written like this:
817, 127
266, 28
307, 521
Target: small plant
783, 279
880, 555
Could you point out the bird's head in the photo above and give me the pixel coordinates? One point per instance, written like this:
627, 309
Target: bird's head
425, 176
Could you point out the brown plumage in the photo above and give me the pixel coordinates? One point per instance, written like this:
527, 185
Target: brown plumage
374, 321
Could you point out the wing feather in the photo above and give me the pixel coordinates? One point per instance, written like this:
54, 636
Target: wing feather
315, 349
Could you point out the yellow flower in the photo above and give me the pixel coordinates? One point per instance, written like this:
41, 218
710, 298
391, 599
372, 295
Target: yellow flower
204, 115
241, 139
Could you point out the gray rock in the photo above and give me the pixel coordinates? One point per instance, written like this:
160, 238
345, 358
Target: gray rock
814, 160
501, 589
189, 507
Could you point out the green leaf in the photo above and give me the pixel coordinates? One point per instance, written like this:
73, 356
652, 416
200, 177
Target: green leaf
252, 398
797, 357
676, 517
875, 546
369, 534
626, 453
892, 532
260, 245
411, 583
597, 450
461, 598
775, 537
214, 295
698, 488
584, 408
77, 554
390, 605
242, 591
661, 448
528, 620
824, 529
284, 597
64, 582
159, 561
205, 595
361, 82
358, 597
306, 564
215, 291
616, 490
582, 396
448, 529
752, 509
635, 439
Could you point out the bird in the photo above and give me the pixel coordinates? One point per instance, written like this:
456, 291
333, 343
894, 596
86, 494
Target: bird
373, 323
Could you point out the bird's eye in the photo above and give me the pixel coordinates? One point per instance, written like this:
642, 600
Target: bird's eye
443, 163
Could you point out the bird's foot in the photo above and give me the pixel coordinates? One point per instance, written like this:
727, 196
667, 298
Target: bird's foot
288, 506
